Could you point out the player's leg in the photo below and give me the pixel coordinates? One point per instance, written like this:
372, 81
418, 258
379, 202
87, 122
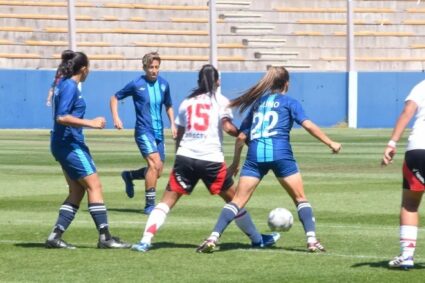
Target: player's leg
99, 212
156, 220
413, 188
409, 221
244, 222
155, 166
293, 184
245, 189
181, 181
67, 212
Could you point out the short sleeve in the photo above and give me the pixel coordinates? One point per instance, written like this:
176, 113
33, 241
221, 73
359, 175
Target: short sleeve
128, 90
417, 94
180, 119
297, 112
167, 97
223, 103
67, 97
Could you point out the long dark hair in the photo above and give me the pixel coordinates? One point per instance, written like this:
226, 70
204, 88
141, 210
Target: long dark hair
207, 81
72, 62
274, 81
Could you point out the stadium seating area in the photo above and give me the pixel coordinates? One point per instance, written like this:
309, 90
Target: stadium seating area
252, 34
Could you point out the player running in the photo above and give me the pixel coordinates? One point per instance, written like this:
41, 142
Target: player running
150, 93
266, 130
69, 149
201, 119
413, 172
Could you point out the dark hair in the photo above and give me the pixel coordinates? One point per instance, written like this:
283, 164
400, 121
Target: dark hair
207, 81
149, 58
274, 81
72, 62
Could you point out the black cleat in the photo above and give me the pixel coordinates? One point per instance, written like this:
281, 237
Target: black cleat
58, 244
113, 243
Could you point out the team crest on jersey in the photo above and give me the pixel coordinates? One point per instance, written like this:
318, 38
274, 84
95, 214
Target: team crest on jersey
163, 87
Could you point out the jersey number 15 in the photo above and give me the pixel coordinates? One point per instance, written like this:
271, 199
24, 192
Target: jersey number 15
198, 118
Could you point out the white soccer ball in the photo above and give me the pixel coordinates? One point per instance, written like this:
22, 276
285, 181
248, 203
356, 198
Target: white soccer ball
280, 219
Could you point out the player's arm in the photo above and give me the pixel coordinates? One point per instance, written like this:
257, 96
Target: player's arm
69, 120
316, 132
170, 114
239, 144
113, 104
406, 115
229, 127
179, 135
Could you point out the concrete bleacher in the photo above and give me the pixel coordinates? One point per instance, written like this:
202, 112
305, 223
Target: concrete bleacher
252, 34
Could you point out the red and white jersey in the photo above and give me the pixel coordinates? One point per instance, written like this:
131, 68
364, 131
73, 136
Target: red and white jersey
201, 117
417, 136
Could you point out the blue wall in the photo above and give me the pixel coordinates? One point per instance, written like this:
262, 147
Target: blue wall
323, 95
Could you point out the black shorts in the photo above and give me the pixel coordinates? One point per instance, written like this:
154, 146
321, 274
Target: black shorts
188, 171
414, 170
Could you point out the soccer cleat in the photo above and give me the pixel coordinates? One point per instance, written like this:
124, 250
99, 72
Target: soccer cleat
315, 247
207, 246
401, 262
148, 209
141, 247
129, 186
113, 243
58, 244
267, 240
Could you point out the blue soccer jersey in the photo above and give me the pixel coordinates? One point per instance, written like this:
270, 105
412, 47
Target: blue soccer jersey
67, 100
148, 99
268, 124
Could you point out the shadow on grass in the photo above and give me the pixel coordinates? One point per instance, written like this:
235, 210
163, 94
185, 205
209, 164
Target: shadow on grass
127, 210
384, 264
42, 246
223, 247
172, 245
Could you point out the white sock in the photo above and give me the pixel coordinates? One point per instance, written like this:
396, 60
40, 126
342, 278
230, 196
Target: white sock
155, 220
244, 222
408, 236
311, 237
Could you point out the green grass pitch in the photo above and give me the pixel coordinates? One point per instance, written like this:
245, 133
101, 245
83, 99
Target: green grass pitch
356, 204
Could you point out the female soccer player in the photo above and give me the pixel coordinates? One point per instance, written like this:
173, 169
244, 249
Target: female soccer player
201, 119
69, 149
413, 172
150, 93
266, 130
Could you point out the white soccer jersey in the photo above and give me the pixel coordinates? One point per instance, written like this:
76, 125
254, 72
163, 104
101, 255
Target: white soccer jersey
417, 136
201, 117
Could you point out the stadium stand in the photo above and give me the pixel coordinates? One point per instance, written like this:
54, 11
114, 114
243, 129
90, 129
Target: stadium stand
252, 34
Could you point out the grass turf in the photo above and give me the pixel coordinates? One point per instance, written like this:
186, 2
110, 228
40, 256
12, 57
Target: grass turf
355, 201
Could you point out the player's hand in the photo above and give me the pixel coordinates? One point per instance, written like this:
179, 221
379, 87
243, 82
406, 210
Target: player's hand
98, 123
335, 146
118, 124
174, 131
388, 156
233, 169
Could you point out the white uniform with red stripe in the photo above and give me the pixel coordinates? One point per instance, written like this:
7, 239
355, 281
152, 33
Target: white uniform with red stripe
201, 117
417, 136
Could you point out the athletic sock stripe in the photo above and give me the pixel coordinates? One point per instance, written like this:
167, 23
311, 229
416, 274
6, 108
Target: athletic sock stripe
93, 209
68, 208
241, 214
231, 208
303, 205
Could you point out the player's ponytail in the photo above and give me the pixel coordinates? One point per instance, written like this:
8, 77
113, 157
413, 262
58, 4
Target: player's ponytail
72, 62
275, 80
207, 81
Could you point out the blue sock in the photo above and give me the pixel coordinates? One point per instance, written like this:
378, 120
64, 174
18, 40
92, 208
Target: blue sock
66, 214
150, 195
100, 217
305, 214
228, 213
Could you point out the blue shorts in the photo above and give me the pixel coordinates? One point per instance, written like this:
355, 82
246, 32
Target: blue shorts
148, 144
281, 168
75, 159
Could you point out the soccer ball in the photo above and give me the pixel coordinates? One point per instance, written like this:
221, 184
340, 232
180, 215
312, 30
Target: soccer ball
280, 219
